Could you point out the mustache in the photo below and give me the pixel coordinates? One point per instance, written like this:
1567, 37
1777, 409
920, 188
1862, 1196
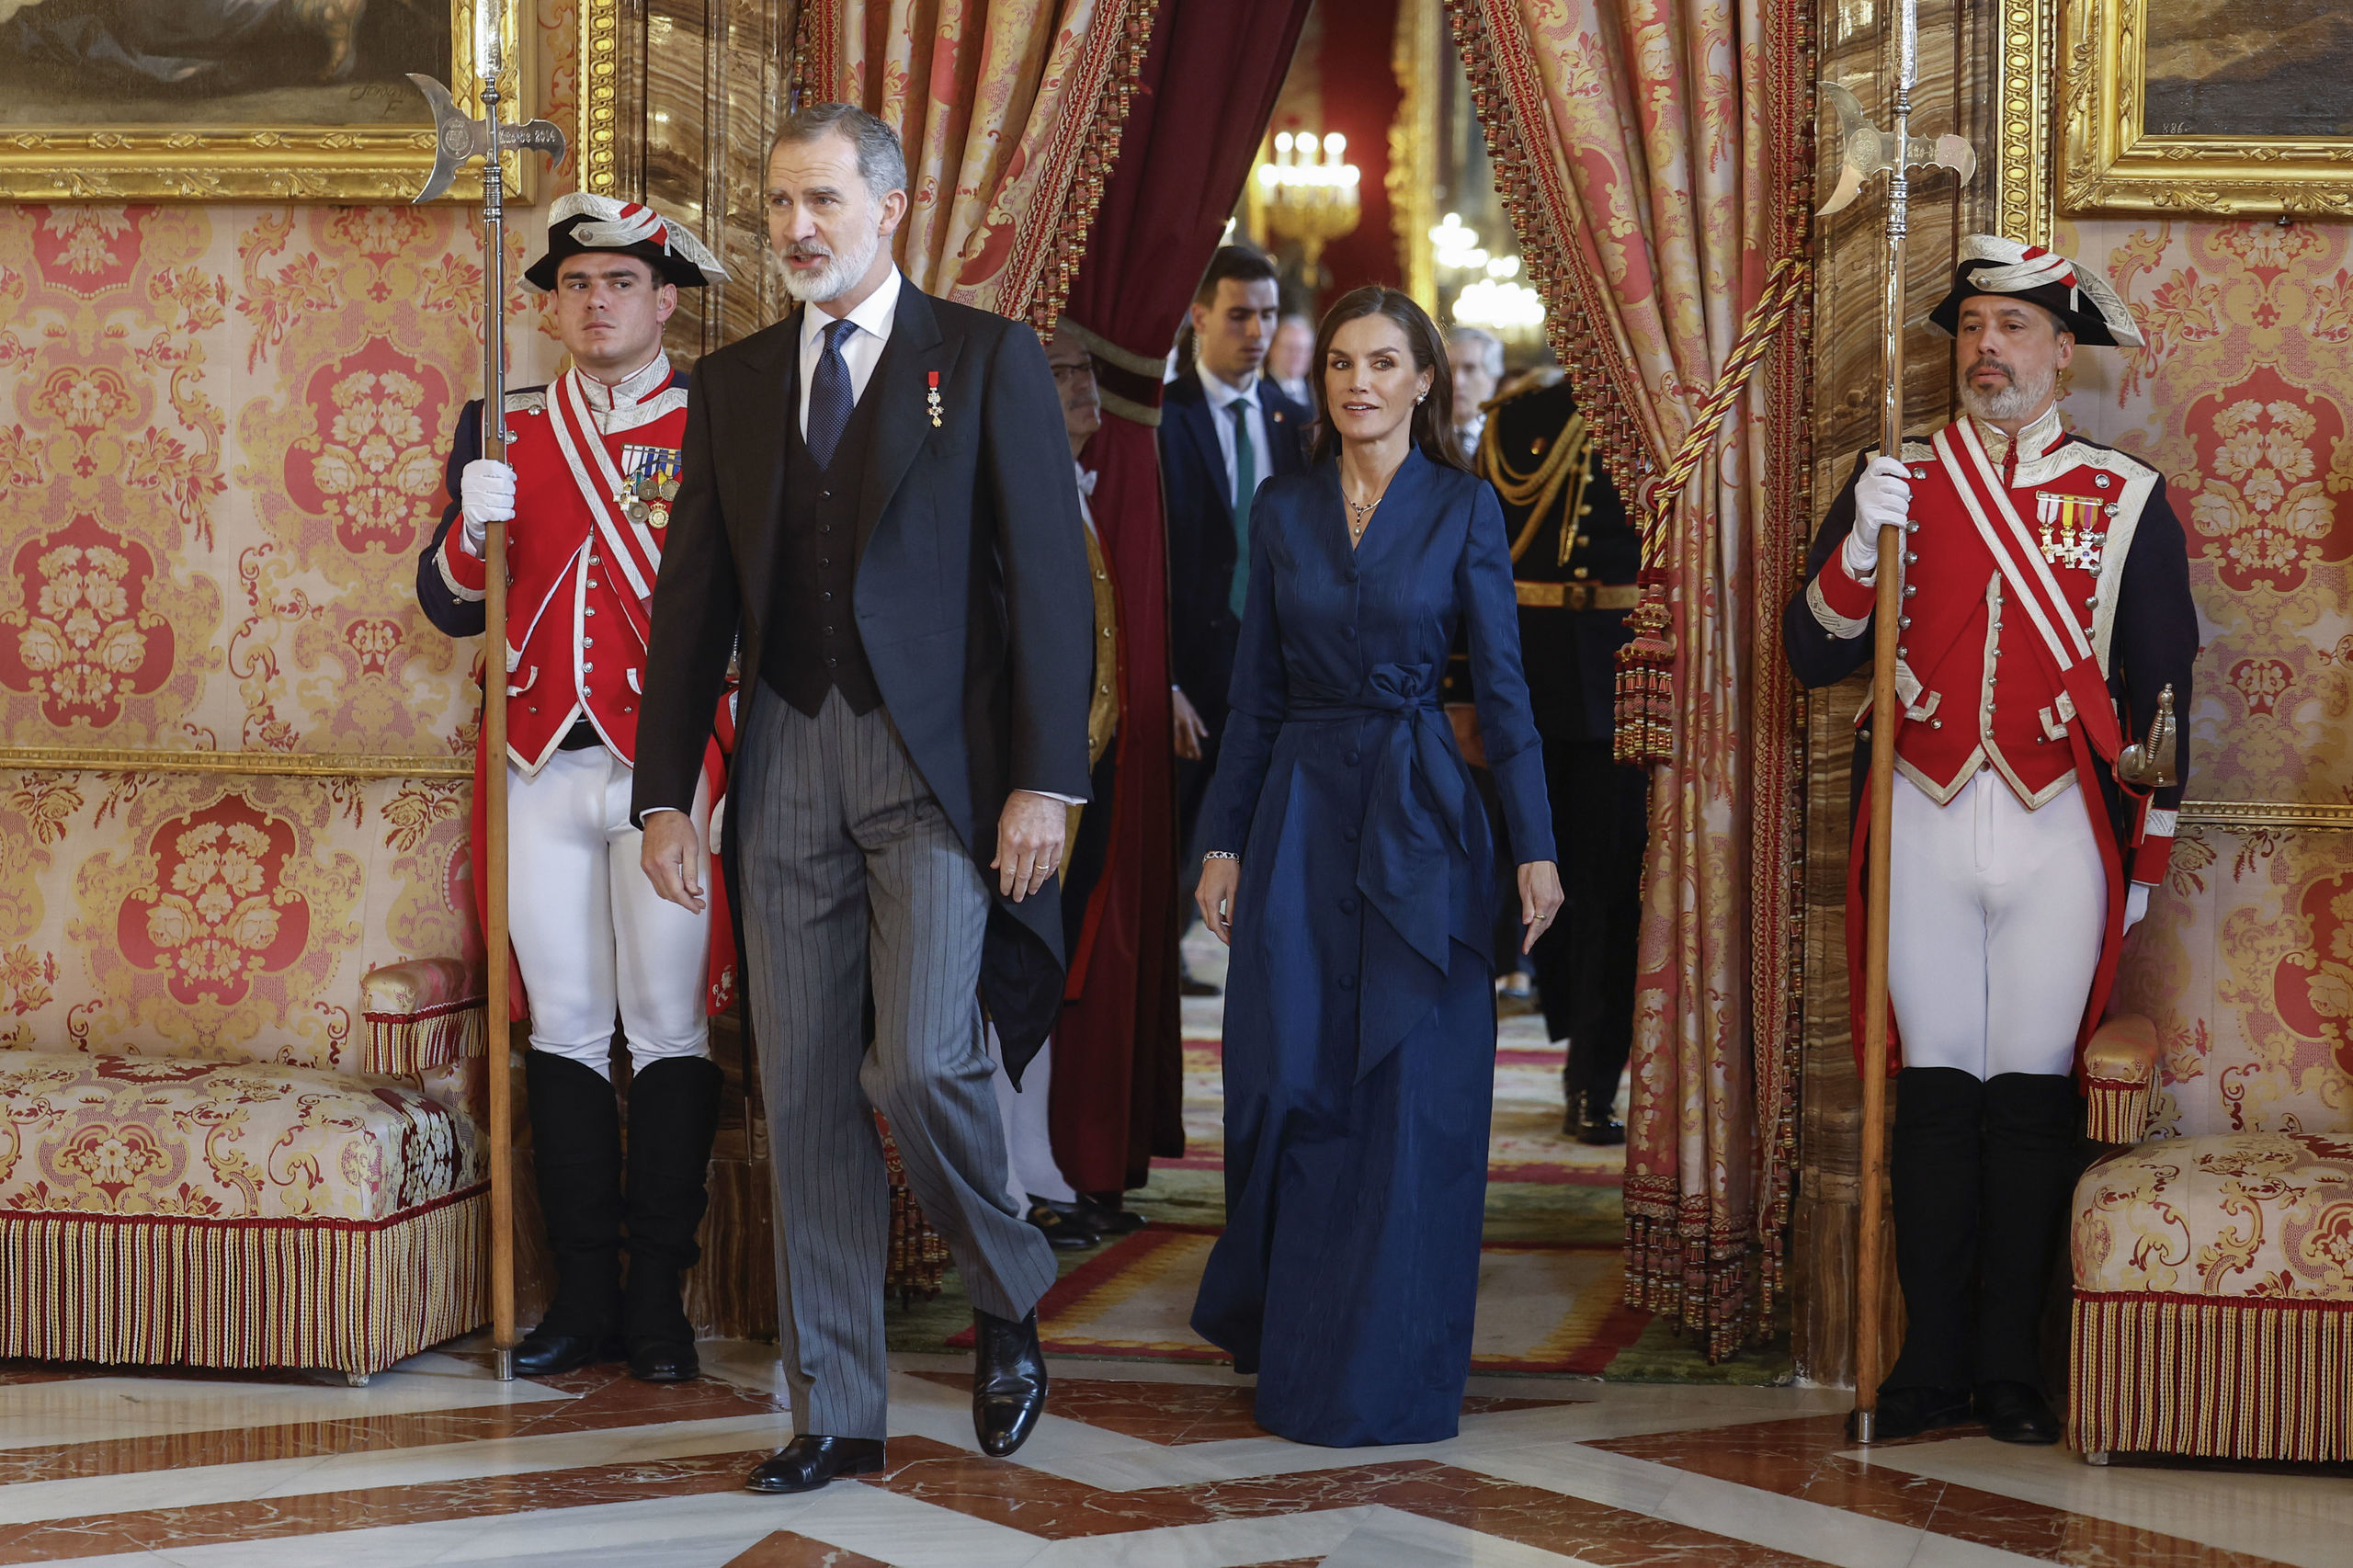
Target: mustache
797, 251
1987, 362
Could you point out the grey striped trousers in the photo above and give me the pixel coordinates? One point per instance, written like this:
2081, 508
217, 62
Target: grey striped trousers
851, 874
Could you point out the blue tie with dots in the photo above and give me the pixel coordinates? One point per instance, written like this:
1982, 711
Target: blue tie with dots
830, 399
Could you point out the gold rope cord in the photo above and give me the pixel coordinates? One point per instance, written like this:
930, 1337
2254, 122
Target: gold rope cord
1568, 462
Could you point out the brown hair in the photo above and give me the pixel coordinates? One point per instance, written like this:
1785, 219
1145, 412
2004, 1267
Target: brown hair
1240, 262
1434, 415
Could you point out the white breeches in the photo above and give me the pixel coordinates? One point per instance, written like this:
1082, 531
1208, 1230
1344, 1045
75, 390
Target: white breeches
1994, 919
591, 935
1031, 1168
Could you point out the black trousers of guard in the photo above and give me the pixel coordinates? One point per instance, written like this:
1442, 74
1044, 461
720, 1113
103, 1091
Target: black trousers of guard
1981, 1173
1585, 964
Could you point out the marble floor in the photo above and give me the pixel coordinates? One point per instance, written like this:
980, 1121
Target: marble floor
1138, 1466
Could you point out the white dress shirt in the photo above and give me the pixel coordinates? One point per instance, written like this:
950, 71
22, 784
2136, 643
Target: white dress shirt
861, 351
1222, 396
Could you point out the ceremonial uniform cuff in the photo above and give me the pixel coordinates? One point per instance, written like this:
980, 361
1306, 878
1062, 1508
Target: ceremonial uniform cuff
1840, 605
466, 576
2154, 852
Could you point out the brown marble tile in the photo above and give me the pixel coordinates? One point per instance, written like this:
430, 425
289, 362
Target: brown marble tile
608, 1397
1003, 1493
786, 1550
1174, 1415
1801, 1458
159, 1528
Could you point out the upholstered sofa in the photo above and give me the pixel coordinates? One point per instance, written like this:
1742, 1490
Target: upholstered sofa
2213, 1251
165, 1211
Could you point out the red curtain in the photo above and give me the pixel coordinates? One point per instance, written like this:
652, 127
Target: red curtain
1208, 84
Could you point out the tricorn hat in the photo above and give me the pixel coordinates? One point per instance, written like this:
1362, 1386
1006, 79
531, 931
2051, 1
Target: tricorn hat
2079, 298
582, 221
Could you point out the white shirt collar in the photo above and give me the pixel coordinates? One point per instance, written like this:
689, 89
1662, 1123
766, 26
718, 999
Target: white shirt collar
874, 313
1223, 394
2032, 442
635, 387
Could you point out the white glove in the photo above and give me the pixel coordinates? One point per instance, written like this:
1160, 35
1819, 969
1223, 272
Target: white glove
485, 495
1882, 495
2136, 903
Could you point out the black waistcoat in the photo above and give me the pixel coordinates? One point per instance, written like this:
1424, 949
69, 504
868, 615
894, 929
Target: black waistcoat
812, 646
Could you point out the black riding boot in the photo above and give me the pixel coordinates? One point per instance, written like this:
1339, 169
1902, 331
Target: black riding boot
2030, 1174
576, 1149
673, 1116
1933, 1181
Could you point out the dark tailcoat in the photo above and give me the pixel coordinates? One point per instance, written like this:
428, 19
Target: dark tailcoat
972, 598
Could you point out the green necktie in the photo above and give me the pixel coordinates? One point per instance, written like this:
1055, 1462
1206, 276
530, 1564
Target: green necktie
1246, 487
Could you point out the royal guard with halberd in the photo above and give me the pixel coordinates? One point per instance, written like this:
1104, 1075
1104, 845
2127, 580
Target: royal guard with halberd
1575, 557
592, 463
2045, 648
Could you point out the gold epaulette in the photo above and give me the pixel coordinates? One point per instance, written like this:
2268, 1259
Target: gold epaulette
1567, 465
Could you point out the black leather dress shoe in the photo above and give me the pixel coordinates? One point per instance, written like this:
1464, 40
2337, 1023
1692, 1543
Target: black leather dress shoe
1108, 1218
1008, 1382
1907, 1413
664, 1361
2014, 1413
1065, 1225
809, 1461
545, 1355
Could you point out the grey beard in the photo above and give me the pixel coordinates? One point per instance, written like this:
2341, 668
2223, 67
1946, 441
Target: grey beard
2017, 400
831, 280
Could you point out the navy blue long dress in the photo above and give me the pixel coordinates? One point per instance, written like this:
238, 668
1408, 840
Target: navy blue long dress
1359, 1015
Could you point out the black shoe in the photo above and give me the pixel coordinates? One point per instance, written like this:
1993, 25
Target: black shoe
1188, 986
1065, 1225
1103, 1213
664, 1361
546, 1354
2014, 1413
673, 1117
809, 1461
1598, 1128
1907, 1413
1008, 1382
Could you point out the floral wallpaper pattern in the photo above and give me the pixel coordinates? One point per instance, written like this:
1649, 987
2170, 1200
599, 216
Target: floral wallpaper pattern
222, 436
2244, 397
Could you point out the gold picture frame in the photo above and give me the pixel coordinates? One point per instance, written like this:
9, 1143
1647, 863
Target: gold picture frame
375, 161
2216, 148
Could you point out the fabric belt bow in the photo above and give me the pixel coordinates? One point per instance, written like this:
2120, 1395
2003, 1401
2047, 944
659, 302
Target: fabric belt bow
1414, 824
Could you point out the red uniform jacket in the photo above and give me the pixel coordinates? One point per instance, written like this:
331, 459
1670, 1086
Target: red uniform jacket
1988, 673
584, 543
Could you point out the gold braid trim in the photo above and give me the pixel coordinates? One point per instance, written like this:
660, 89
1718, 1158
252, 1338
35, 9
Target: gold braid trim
1567, 464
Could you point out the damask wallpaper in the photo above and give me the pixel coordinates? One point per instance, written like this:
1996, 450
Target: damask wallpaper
222, 436
2244, 397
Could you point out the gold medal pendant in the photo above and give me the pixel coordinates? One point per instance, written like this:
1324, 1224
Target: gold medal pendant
657, 516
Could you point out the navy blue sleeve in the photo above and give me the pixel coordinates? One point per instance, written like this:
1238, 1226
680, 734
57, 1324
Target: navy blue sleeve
1490, 607
454, 615
2156, 642
1817, 658
1257, 701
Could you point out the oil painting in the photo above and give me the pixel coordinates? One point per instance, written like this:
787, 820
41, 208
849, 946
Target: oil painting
2249, 68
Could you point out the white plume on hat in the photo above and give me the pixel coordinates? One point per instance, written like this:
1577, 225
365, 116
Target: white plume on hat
614, 224
2020, 268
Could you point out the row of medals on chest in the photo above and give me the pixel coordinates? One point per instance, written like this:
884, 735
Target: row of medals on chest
2071, 530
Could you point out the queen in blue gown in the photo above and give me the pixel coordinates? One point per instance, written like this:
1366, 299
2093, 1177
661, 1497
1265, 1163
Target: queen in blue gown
1358, 889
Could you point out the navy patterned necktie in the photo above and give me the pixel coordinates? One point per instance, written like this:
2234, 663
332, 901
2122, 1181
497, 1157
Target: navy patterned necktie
830, 399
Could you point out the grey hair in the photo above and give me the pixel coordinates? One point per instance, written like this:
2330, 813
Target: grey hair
882, 162
1491, 347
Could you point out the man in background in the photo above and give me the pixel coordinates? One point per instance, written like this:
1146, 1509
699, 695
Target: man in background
1289, 362
1224, 429
1477, 359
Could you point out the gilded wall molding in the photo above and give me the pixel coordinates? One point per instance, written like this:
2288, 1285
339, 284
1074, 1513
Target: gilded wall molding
1413, 145
2025, 50
2111, 162
600, 95
353, 163
247, 764
2243, 815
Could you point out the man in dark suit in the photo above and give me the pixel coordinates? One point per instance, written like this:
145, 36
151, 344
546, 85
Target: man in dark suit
1575, 556
877, 511
1224, 429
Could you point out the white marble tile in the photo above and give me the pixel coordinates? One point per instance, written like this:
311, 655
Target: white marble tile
1389, 1537
2303, 1520
77, 1410
198, 1486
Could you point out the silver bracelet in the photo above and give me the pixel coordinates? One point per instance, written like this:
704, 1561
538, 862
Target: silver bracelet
1220, 854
